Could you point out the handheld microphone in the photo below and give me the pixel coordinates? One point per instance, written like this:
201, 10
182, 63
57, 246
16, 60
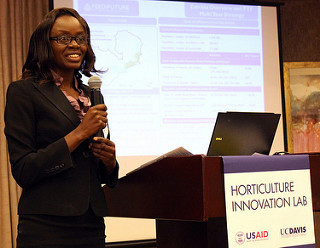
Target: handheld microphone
94, 83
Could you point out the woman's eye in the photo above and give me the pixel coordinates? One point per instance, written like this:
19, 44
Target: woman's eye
63, 38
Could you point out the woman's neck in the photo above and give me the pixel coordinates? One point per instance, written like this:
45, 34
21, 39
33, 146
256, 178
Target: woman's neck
67, 79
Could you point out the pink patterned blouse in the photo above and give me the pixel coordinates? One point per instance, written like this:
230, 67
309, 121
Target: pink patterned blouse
80, 105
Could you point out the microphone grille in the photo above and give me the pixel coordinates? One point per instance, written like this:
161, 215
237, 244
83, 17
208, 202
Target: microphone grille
94, 82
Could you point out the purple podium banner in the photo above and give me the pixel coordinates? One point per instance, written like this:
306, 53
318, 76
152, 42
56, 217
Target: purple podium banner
240, 164
301, 246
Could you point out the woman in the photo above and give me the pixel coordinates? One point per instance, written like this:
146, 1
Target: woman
49, 129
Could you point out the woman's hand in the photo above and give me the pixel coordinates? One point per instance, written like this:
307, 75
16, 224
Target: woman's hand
94, 120
105, 150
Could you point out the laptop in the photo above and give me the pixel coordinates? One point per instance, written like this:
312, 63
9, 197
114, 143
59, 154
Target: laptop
243, 133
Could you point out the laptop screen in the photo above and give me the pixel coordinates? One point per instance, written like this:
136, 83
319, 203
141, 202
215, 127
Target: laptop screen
243, 133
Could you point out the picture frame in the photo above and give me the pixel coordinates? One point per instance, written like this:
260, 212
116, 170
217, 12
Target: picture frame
302, 106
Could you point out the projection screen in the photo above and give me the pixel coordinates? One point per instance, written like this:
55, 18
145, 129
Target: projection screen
171, 66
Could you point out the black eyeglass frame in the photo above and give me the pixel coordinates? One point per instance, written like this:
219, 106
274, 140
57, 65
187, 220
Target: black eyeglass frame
68, 36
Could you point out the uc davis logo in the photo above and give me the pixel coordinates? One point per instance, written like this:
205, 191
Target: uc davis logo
293, 231
240, 238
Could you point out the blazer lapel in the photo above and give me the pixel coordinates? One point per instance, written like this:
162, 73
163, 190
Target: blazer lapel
52, 92
86, 89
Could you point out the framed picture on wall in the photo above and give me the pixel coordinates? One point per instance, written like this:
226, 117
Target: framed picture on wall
302, 104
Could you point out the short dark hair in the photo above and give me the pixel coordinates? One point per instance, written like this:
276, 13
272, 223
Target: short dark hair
40, 57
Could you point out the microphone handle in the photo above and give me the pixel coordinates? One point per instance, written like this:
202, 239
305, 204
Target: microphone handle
99, 134
96, 99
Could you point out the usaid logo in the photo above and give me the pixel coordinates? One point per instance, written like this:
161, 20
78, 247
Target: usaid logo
240, 238
257, 235
251, 236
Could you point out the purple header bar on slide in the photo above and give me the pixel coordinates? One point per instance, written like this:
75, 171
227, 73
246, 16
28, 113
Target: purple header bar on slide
208, 22
148, 92
240, 164
209, 58
213, 88
235, 12
199, 30
120, 20
110, 7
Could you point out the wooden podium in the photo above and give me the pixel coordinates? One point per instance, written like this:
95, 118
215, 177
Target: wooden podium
186, 197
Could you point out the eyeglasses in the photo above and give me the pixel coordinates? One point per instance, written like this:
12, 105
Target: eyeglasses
66, 39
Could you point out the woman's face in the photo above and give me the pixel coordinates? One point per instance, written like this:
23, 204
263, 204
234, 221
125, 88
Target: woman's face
68, 57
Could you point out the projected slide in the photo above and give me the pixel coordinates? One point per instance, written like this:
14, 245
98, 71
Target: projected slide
171, 66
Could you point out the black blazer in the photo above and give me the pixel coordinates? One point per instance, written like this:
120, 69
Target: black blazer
54, 182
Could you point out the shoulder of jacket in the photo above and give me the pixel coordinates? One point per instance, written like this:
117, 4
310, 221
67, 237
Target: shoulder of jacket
29, 82
24, 82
